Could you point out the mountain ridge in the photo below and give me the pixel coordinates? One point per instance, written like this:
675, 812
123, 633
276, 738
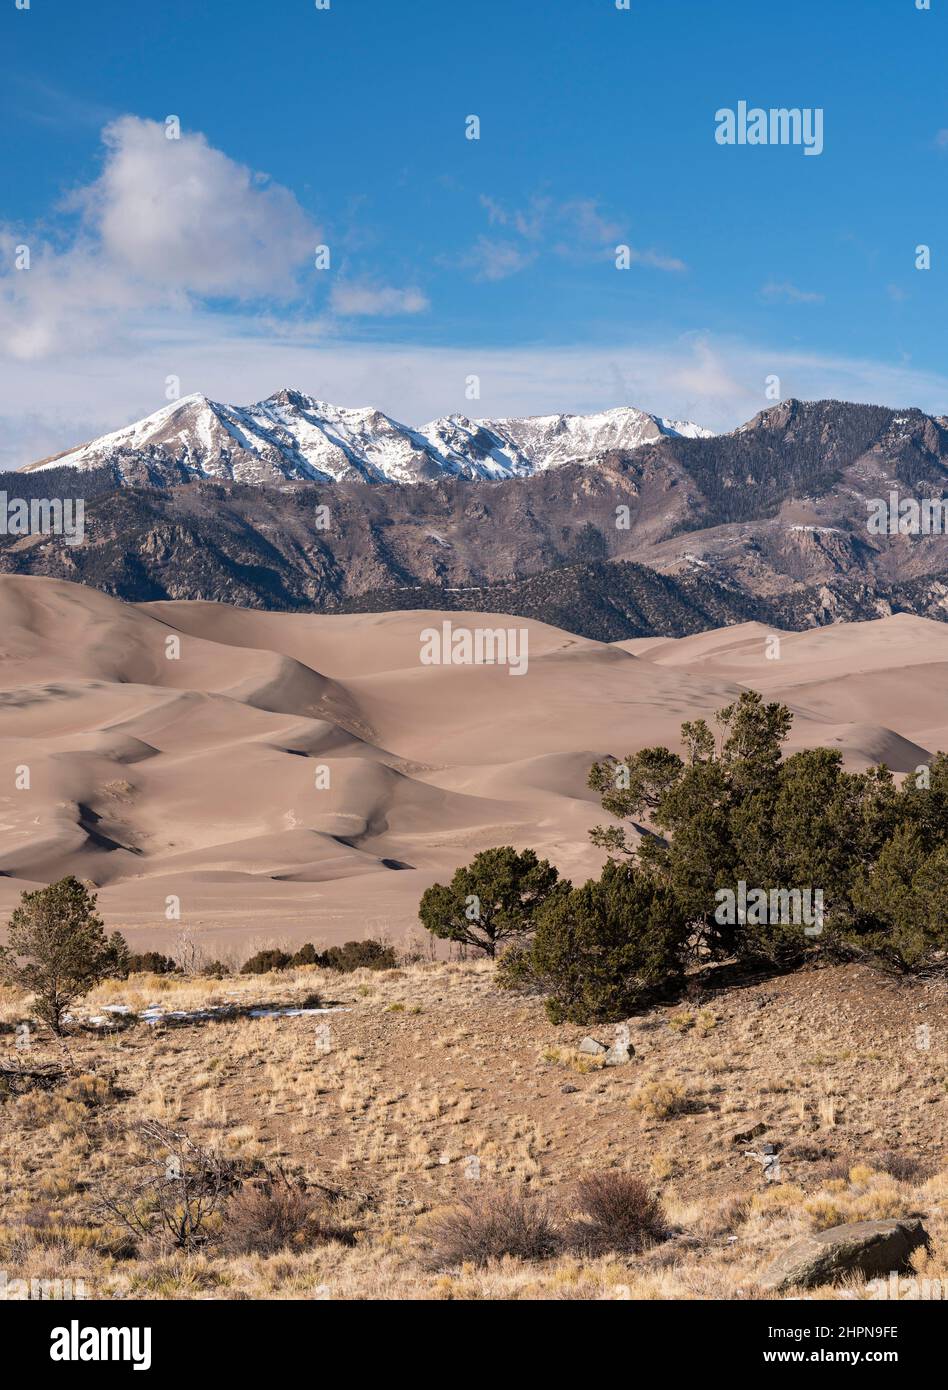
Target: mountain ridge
768, 522
291, 436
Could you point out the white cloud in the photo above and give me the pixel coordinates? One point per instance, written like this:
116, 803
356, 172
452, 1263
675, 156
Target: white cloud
181, 214
168, 223
349, 299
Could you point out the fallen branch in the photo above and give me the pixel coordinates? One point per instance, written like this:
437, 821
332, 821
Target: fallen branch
16, 1078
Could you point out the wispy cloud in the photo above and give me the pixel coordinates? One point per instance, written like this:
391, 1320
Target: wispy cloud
782, 291
577, 228
46, 104
528, 222
385, 301
492, 259
590, 222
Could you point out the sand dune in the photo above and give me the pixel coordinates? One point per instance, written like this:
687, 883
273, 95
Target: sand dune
306, 777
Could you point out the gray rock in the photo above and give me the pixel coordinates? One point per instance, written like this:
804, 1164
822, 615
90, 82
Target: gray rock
618, 1056
569, 1090
592, 1047
862, 1247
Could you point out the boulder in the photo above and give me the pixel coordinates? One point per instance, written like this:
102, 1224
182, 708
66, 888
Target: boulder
592, 1047
862, 1247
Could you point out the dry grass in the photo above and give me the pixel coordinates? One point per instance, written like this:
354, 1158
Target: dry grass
660, 1100
463, 1091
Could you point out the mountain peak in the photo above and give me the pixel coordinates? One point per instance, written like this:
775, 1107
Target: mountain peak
291, 435
289, 395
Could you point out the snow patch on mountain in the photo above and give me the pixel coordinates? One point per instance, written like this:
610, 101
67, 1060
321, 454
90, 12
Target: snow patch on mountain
292, 436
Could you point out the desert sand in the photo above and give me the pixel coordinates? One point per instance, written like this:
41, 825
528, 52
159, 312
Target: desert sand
181, 750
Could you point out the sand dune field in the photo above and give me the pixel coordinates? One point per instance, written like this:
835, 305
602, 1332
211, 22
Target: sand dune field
301, 778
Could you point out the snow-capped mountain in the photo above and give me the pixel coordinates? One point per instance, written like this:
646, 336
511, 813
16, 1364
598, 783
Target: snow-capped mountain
292, 436
766, 523
502, 448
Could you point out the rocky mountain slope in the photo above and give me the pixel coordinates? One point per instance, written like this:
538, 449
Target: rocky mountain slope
768, 522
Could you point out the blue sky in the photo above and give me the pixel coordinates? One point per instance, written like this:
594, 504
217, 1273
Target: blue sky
153, 258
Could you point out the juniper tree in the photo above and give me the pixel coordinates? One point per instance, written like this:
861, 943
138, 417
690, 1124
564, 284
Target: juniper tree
57, 949
735, 809
703, 809
491, 901
602, 950
902, 904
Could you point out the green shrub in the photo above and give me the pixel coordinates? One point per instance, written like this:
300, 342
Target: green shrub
902, 904
150, 963
57, 949
735, 810
265, 961
359, 955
